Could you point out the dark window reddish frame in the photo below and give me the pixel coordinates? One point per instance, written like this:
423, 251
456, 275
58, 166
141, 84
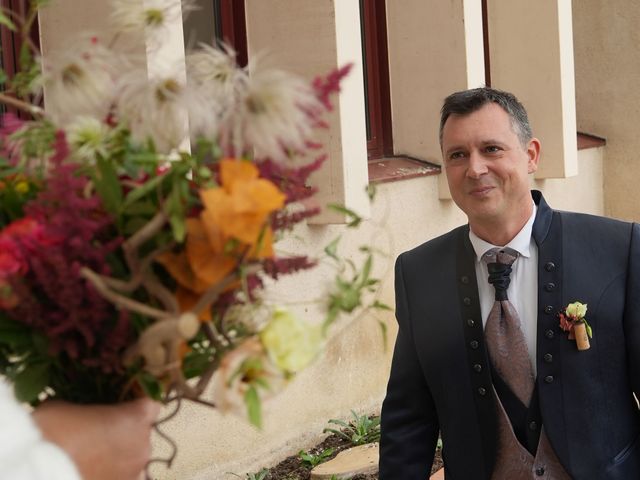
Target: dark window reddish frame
231, 26
376, 72
11, 43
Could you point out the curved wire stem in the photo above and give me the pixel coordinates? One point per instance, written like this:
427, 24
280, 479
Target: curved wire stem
174, 447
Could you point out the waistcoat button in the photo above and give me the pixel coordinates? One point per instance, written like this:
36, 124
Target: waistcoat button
549, 333
466, 301
548, 309
473, 344
550, 287
477, 367
548, 357
540, 471
549, 266
548, 379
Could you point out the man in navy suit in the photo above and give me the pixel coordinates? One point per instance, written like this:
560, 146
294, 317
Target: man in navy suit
582, 421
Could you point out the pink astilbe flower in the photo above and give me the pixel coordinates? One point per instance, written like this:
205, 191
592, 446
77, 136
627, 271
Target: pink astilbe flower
9, 124
73, 231
274, 267
330, 84
293, 182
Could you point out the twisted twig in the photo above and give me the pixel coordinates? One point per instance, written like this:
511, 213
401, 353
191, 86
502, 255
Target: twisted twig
174, 447
120, 300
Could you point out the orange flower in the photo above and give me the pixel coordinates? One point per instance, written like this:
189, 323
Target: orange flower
241, 207
232, 224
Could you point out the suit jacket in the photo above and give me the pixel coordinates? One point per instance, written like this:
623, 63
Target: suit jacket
441, 378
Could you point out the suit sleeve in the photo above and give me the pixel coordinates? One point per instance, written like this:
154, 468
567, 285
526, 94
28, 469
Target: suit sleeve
632, 310
409, 421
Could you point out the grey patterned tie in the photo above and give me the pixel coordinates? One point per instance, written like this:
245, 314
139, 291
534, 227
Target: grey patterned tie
505, 341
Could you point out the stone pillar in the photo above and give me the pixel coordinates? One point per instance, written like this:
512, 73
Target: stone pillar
531, 55
435, 48
62, 21
312, 37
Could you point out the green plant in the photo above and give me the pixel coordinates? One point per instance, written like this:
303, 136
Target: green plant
361, 430
261, 475
310, 460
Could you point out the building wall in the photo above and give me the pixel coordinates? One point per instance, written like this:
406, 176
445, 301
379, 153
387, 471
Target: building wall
352, 372
607, 63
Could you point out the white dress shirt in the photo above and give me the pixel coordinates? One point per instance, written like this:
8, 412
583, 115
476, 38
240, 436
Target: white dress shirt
523, 289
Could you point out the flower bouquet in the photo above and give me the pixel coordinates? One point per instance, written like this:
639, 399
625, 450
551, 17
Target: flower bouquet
132, 260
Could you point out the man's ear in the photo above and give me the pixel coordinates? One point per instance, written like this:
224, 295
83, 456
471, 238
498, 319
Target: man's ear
533, 154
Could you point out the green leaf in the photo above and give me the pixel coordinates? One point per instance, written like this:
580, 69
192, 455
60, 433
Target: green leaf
133, 225
366, 271
381, 306
150, 385
254, 411
143, 207
352, 217
108, 185
589, 331
31, 381
14, 334
6, 21
383, 330
143, 190
371, 190
332, 249
176, 214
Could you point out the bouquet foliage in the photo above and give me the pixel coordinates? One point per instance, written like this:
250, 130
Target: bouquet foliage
139, 216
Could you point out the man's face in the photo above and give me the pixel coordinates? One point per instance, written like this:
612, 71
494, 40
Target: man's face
487, 167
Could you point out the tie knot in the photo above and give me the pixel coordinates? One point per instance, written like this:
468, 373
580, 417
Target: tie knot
499, 261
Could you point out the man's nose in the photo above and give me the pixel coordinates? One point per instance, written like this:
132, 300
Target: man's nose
477, 165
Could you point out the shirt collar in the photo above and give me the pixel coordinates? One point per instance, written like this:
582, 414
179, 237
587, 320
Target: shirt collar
521, 242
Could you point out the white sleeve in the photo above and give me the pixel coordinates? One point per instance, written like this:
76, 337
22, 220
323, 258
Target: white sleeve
24, 454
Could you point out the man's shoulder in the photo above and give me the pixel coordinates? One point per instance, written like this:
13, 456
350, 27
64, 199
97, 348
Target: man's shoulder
577, 220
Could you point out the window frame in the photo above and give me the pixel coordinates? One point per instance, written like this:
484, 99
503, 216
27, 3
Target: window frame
376, 73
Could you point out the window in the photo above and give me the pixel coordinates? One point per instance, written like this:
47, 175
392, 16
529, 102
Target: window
376, 78
218, 21
11, 45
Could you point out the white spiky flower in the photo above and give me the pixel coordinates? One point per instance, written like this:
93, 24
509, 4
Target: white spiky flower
88, 138
155, 109
213, 77
80, 81
273, 115
149, 16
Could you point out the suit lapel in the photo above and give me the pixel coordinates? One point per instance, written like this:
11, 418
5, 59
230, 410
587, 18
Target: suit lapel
479, 370
547, 233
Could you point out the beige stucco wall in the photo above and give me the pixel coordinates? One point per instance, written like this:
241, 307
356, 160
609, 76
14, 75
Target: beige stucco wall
607, 63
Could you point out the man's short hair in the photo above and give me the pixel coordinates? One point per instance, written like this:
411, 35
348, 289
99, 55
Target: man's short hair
469, 101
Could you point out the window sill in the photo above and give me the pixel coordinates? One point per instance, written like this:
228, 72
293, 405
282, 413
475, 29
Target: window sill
391, 169
589, 141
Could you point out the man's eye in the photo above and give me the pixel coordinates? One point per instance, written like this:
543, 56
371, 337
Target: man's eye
492, 149
456, 155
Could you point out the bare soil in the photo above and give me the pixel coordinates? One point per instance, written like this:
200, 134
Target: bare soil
293, 468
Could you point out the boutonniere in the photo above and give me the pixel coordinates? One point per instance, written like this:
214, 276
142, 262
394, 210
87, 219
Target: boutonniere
572, 320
